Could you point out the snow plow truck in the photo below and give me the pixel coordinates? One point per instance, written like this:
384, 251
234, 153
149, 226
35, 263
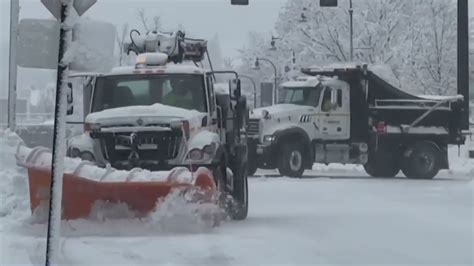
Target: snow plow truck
160, 126
350, 115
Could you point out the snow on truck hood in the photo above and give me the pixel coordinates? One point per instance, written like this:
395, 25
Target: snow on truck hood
153, 112
280, 109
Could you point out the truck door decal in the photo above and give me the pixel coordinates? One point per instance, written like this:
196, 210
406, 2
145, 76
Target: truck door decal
306, 118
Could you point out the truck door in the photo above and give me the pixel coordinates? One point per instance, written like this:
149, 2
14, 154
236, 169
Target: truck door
335, 113
82, 86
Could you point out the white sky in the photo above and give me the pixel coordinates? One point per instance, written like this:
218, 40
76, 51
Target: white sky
202, 18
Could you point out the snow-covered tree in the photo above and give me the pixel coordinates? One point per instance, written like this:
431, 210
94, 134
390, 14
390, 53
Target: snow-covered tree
153, 24
414, 38
431, 64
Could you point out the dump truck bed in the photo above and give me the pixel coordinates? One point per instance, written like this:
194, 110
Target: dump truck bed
373, 96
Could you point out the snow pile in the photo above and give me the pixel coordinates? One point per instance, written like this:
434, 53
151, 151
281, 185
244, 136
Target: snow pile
174, 216
13, 182
177, 215
41, 157
459, 162
339, 169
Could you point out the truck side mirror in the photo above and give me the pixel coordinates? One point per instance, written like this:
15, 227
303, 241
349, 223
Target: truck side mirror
235, 89
241, 110
334, 101
70, 99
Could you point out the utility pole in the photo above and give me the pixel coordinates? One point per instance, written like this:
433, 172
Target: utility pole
351, 15
12, 74
463, 58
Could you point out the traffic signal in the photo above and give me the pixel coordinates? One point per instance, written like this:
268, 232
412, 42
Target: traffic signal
328, 3
240, 2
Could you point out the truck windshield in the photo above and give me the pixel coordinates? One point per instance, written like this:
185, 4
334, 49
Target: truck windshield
302, 96
178, 90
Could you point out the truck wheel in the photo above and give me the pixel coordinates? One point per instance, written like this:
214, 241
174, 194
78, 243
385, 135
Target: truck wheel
238, 209
421, 161
291, 160
252, 157
382, 166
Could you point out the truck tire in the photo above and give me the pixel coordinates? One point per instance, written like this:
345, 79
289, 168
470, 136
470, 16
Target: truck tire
382, 166
291, 159
421, 161
252, 157
238, 209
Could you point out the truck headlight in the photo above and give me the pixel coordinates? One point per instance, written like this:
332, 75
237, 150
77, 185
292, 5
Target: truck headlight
210, 149
207, 152
74, 152
268, 138
363, 148
87, 156
196, 155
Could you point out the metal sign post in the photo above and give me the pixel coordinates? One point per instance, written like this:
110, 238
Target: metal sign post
12, 79
59, 8
59, 139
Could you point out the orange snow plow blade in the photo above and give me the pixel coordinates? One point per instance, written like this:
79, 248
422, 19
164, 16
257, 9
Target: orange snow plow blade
80, 194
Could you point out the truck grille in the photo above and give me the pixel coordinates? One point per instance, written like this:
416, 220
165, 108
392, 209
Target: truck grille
253, 127
150, 146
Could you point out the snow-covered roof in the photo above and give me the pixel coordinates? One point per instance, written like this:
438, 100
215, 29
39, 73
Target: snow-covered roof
168, 69
221, 88
302, 82
82, 74
311, 81
331, 67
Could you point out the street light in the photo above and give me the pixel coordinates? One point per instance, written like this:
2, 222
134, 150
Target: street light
303, 18
275, 86
273, 43
254, 89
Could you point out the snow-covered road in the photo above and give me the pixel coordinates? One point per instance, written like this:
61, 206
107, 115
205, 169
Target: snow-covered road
338, 217
293, 222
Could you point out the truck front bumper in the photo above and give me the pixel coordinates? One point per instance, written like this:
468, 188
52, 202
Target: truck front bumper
264, 154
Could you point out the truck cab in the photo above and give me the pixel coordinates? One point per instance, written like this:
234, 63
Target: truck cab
312, 117
141, 117
164, 114
350, 115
